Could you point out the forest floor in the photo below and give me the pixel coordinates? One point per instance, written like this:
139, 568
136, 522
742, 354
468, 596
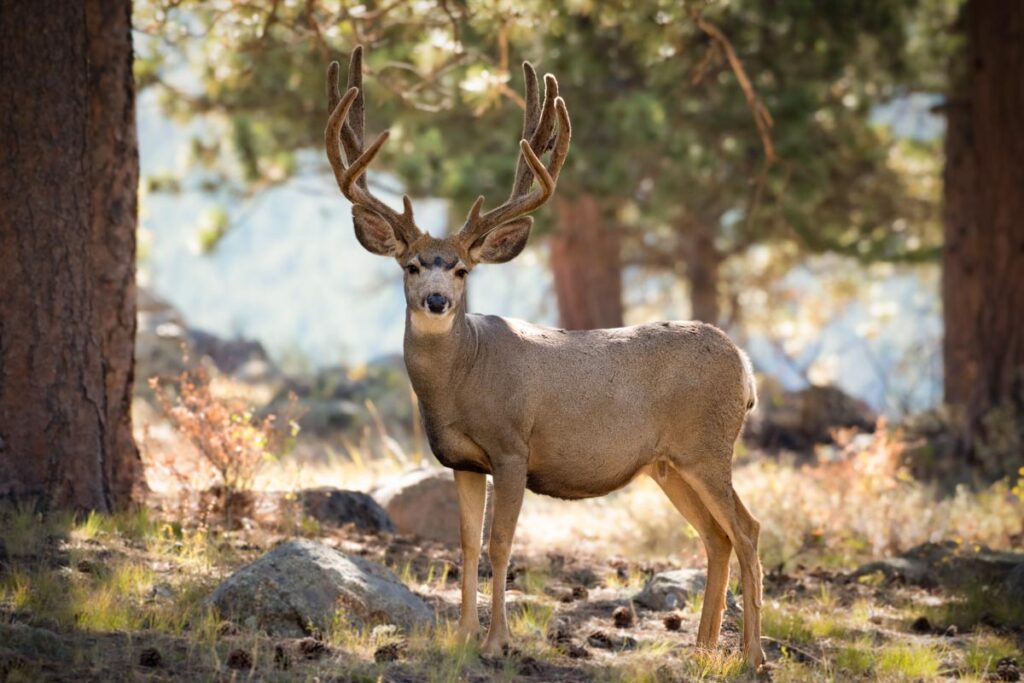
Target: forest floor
123, 597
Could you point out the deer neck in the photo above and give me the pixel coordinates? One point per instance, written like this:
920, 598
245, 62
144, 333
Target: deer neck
437, 359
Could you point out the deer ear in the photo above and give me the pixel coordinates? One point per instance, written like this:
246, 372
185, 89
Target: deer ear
375, 233
503, 243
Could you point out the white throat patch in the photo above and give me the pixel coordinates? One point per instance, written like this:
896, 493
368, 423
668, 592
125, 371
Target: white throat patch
429, 323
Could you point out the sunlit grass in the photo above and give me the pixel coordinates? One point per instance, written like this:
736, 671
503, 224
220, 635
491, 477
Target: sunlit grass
985, 651
903, 661
717, 664
854, 658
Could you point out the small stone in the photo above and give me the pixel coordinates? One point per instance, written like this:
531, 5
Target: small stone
239, 659
388, 652
673, 622
311, 648
921, 625
622, 617
150, 657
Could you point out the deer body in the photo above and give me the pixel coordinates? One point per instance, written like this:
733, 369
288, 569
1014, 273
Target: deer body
604, 402
566, 414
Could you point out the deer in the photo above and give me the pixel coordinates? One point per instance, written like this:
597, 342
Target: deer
570, 414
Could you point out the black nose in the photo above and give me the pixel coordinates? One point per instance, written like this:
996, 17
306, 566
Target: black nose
437, 302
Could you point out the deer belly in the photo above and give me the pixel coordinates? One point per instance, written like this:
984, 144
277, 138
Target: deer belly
571, 475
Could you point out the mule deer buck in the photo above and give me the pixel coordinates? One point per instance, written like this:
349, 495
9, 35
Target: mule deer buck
565, 414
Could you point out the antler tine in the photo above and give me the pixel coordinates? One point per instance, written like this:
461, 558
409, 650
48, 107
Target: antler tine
352, 128
351, 178
537, 129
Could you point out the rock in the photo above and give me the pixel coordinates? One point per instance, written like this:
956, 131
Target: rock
232, 356
423, 503
336, 508
671, 590
297, 587
622, 617
797, 420
951, 565
239, 659
150, 658
32, 643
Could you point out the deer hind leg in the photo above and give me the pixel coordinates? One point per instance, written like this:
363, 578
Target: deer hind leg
471, 488
716, 543
509, 487
711, 478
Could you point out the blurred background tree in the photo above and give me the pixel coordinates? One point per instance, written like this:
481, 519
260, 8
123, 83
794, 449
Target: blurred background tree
687, 149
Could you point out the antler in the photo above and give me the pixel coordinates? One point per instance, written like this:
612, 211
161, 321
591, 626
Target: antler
538, 123
345, 124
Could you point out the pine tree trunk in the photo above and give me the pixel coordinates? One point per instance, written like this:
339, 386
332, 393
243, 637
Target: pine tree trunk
586, 265
702, 270
68, 173
983, 287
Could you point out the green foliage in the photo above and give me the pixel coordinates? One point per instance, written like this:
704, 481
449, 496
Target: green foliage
663, 130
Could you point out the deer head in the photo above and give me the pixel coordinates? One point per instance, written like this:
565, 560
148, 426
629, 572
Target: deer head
436, 267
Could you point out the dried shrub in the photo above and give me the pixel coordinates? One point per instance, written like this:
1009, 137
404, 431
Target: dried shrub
231, 444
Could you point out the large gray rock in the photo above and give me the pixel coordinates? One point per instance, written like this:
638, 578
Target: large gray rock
299, 586
424, 503
672, 589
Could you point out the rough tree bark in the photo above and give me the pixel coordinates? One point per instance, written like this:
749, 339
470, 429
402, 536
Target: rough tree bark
67, 247
586, 265
983, 260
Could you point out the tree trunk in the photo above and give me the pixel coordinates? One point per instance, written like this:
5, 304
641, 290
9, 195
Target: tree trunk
114, 180
585, 262
702, 270
983, 289
69, 174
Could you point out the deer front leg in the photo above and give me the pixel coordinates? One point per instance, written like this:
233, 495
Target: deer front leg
509, 486
472, 490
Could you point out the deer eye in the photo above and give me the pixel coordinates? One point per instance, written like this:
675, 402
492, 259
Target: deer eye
412, 269
461, 273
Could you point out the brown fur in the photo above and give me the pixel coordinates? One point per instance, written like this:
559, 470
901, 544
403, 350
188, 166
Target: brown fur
567, 414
